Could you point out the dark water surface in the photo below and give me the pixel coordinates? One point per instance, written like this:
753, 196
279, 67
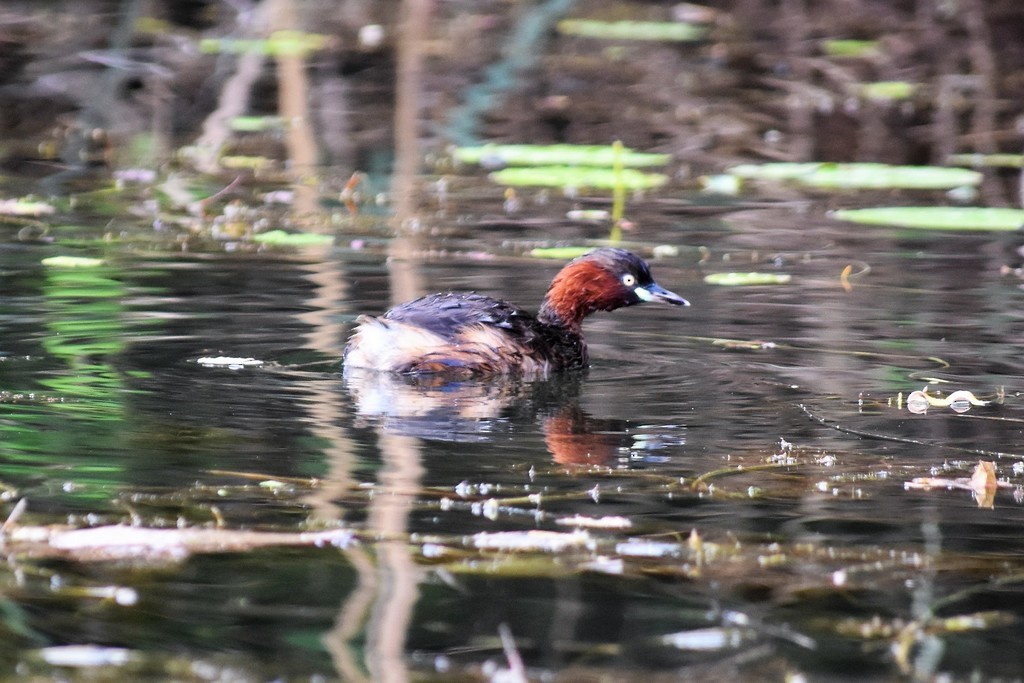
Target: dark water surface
809, 555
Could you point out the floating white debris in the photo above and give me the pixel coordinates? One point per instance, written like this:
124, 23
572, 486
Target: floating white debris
533, 540
25, 207
610, 522
371, 35
642, 548
85, 655
229, 362
706, 639
606, 565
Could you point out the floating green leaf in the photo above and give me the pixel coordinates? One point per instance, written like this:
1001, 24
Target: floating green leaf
257, 124
861, 175
555, 155
72, 262
937, 217
987, 160
561, 253
746, 279
887, 90
249, 163
850, 48
578, 177
633, 30
296, 43
292, 239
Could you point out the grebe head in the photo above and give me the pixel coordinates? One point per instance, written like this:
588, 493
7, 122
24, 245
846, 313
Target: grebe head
602, 280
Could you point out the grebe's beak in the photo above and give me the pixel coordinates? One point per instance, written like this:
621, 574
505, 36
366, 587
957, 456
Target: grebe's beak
653, 292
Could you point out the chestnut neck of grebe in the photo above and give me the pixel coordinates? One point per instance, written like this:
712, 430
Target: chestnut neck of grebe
603, 280
581, 288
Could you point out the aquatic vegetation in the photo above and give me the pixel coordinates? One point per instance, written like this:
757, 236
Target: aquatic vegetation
987, 160
72, 262
494, 155
959, 401
579, 177
257, 124
848, 47
936, 217
887, 90
282, 238
559, 253
852, 176
285, 42
633, 30
746, 279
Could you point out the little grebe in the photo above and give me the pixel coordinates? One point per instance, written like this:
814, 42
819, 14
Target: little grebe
470, 334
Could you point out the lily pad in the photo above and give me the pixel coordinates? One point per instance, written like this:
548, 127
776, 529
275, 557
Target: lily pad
937, 217
746, 279
72, 262
257, 124
887, 90
861, 175
292, 239
850, 48
555, 155
286, 42
633, 30
562, 253
987, 160
579, 177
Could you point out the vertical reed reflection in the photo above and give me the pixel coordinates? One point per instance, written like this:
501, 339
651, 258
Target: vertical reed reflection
293, 105
412, 32
392, 585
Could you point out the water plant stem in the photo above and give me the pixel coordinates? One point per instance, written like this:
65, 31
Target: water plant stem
618, 193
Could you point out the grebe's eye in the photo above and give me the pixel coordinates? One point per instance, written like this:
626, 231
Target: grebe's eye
629, 279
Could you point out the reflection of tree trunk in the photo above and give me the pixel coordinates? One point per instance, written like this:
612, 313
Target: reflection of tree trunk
234, 96
413, 28
339, 641
405, 283
325, 336
394, 581
399, 482
293, 105
398, 574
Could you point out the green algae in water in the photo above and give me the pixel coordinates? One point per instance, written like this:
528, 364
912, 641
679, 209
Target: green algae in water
556, 155
662, 31
746, 279
855, 176
579, 177
937, 217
